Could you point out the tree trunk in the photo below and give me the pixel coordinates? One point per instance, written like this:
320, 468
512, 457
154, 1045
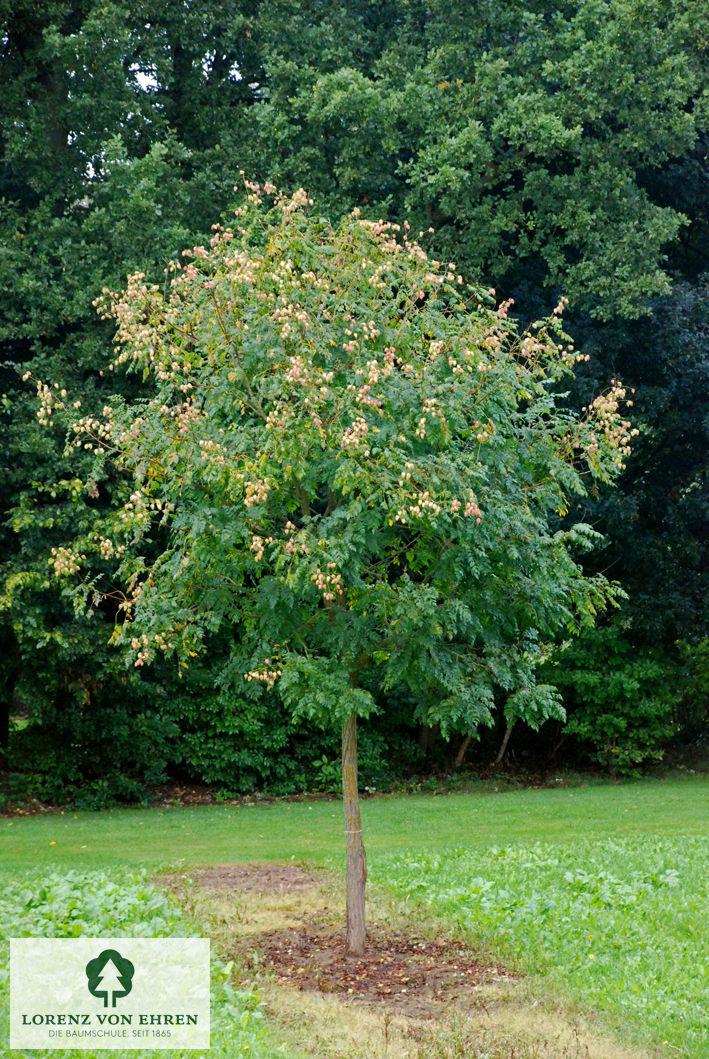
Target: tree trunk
4, 726
461, 751
356, 858
505, 741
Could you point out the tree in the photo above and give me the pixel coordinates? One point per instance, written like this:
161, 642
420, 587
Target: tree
352, 461
116, 137
529, 135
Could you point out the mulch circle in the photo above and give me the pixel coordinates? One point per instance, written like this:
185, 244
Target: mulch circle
412, 975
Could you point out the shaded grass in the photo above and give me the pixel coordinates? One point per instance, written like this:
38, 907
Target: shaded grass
312, 831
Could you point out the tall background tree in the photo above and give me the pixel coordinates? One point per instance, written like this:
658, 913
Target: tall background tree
550, 147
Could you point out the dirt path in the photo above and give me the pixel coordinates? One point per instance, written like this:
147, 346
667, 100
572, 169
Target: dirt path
418, 993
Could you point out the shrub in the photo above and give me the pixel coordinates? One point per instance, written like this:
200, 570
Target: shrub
620, 699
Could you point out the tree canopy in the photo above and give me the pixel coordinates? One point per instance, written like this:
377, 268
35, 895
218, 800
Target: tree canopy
351, 459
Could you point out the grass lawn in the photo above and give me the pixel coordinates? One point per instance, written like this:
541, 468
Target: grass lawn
313, 831
599, 891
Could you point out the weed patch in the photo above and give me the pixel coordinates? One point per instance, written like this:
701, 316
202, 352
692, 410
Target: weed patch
73, 905
620, 925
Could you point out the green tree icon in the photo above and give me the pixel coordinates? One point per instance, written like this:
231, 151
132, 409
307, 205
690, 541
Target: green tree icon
110, 976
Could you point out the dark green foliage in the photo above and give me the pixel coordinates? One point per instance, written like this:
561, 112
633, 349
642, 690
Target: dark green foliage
657, 521
656, 524
239, 749
112, 748
239, 744
621, 701
91, 184
387, 755
527, 135
553, 147
693, 708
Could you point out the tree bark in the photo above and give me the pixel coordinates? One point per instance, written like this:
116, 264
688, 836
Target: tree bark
505, 741
461, 751
356, 858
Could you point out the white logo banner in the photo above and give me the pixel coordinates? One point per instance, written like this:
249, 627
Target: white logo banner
109, 993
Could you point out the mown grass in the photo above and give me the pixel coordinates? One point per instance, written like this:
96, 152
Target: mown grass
312, 831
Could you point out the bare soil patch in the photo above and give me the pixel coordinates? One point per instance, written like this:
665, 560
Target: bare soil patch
255, 878
406, 972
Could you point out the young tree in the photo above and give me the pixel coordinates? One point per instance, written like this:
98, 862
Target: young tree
355, 462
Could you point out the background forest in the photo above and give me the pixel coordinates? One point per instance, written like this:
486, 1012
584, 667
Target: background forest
554, 149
